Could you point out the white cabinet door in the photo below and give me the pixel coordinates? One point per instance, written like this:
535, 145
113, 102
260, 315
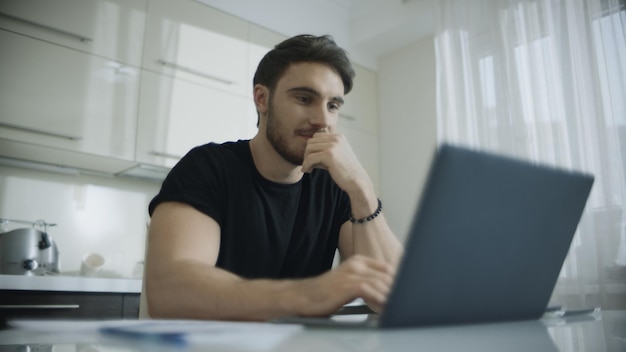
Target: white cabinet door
261, 41
109, 28
66, 99
176, 115
360, 111
195, 42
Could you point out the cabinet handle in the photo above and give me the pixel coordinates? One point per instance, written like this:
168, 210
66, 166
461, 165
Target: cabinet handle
38, 131
79, 37
194, 72
40, 306
165, 155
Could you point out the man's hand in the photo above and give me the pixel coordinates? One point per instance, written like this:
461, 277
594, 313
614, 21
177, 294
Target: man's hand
331, 151
357, 277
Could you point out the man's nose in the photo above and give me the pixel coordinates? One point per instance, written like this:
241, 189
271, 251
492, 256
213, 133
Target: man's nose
320, 117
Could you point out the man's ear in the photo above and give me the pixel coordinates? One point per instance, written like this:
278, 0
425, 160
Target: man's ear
261, 98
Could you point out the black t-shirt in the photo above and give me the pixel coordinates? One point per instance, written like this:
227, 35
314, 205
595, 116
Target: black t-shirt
268, 230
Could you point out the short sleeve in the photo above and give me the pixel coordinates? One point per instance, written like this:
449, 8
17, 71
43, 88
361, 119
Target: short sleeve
195, 180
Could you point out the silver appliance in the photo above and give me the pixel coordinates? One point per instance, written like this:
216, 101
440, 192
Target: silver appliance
27, 250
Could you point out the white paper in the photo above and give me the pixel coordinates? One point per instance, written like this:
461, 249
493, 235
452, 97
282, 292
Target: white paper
253, 336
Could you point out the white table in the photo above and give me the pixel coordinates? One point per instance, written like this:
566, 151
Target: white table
602, 331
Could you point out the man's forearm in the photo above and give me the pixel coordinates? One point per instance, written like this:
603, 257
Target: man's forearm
373, 238
191, 290
194, 290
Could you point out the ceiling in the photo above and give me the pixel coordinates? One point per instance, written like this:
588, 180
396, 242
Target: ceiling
367, 28
379, 26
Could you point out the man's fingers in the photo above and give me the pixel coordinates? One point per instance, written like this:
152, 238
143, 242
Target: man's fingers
372, 279
359, 276
312, 161
374, 293
318, 154
358, 262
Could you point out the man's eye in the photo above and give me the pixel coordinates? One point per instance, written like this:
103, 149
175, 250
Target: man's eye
333, 106
303, 99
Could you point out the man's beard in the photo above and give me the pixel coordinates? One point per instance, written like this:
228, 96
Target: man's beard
276, 137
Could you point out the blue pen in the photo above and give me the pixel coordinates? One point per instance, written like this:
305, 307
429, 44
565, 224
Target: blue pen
143, 334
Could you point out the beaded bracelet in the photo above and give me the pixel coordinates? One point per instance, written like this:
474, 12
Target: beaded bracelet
370, 217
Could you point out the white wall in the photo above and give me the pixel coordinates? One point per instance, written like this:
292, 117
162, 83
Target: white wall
408, 128
93, 214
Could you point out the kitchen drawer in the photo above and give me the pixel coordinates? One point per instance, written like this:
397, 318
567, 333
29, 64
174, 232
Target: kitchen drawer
130, 307
76, 305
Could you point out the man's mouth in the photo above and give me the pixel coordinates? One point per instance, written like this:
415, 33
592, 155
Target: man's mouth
308, 134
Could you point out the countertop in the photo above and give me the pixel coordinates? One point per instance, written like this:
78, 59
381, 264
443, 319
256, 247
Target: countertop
69, 283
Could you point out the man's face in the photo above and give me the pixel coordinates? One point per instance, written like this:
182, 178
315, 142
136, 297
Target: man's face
306, 100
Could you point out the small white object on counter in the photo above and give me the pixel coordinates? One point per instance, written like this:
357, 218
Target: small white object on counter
69, 283
91, 264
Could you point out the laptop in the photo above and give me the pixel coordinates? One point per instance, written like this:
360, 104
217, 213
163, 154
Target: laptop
487, 242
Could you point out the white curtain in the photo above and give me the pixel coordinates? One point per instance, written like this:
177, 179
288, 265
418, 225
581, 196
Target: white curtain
545, 80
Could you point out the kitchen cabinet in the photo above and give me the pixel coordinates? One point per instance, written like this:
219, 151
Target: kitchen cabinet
104, 85
111, 29
197, 80
261, 40
358, 121
191, 41
177, 115
360, 111
61, 98
59, 296
53, 304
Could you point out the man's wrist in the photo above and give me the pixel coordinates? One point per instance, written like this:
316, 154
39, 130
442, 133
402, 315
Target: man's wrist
370, 217
290, 299
363, 201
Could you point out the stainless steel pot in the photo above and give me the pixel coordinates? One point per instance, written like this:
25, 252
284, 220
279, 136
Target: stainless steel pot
28, 251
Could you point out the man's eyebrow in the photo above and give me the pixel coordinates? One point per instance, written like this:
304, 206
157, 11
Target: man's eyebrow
313, 92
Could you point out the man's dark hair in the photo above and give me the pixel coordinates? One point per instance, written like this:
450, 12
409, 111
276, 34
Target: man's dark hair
304, 48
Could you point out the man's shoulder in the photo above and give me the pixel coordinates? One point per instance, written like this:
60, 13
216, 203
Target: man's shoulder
213, 159
221, 151
225, 147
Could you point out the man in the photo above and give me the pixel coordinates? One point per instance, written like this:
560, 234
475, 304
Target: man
247, 230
